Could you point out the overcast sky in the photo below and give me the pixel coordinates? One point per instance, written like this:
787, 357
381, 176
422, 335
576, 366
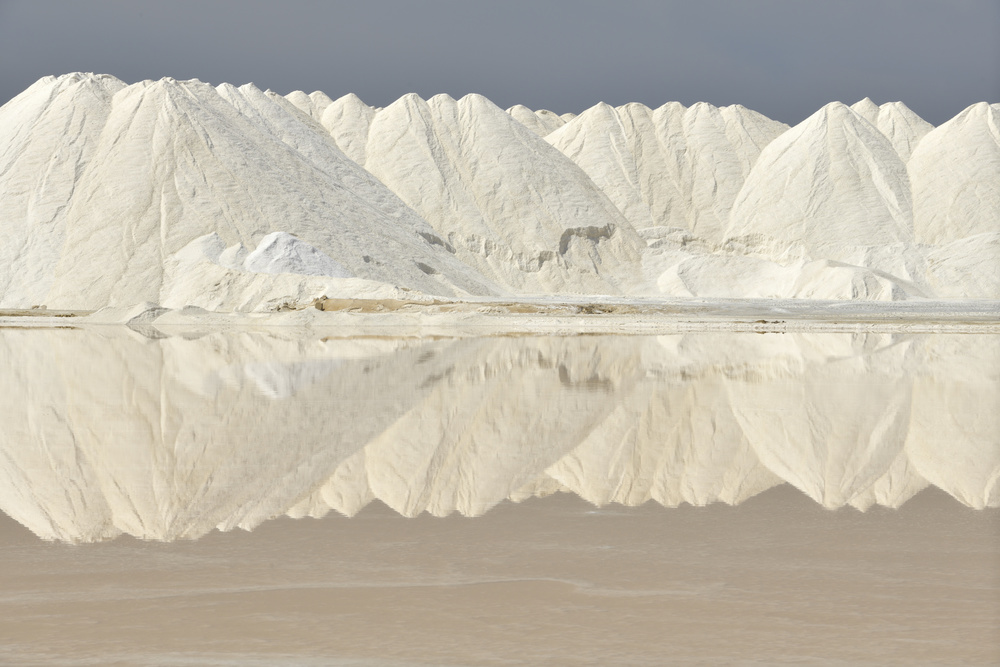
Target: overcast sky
784, 58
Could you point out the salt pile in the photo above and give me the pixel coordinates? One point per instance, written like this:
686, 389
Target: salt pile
542, 122
502, 199
897, 122
109, 192
832, 180
670, 167
954, 173
148, 168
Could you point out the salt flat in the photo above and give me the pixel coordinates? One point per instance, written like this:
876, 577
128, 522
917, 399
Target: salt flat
344, 318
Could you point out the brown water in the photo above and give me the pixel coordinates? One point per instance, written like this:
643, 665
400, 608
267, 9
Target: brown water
549, 581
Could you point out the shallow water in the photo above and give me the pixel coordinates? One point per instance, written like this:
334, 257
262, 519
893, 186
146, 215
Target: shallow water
636, 499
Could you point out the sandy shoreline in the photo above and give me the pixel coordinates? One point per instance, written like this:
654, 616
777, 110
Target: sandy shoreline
563, 316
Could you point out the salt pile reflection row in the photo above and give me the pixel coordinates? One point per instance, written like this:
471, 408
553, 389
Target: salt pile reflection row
105, 432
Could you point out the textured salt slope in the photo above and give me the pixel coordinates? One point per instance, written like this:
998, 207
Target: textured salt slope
502, 199
542, 122
897, 122
159, 191
104, 432
159, 164
955, 173
48, 135
833, 180
672, 167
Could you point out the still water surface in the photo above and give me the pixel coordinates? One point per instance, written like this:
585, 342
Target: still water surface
635, 500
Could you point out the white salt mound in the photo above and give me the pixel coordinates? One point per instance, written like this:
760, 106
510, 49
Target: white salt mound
283, 272
112, 195
903, 128
500, 198
348, 120
280, 252
672, 167
49, 134
542, 122
834, 179
955, 175
158, 164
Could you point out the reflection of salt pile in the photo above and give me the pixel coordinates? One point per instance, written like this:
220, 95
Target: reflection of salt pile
108, 192
954, 440
105, 432
163, 440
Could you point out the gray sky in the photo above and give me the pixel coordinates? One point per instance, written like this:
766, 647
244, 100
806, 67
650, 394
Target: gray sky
784, 58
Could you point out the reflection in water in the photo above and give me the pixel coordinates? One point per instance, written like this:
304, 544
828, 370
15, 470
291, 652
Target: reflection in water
104, 432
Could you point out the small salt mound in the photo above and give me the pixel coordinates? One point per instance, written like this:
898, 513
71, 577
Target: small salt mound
283, 272
727, 276
541, 122
280, 252
827, 279
232, 257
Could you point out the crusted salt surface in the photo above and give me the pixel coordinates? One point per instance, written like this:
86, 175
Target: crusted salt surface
107, 189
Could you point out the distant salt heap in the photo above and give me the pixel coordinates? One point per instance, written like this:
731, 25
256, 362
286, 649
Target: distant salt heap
115, 195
